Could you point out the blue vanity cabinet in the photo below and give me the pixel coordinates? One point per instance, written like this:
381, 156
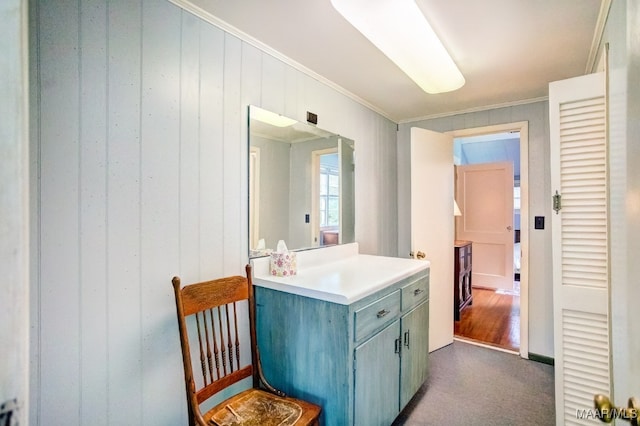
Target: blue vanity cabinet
351, 359
414, 366
377, 381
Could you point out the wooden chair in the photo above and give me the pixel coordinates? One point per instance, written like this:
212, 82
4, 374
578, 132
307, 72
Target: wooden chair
208, 322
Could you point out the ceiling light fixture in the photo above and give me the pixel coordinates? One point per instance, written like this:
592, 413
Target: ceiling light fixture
399, 29
271, 118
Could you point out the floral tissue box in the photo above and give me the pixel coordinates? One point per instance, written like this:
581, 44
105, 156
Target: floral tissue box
283, 264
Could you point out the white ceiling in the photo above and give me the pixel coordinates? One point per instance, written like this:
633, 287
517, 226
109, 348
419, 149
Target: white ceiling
507, 50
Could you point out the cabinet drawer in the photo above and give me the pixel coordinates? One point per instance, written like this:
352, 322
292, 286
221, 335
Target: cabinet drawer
414, 293
376, 315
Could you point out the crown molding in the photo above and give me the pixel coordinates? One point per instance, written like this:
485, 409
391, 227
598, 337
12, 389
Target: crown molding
225, 26
477, 109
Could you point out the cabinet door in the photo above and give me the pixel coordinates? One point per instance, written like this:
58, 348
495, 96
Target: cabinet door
415, 351
377, 382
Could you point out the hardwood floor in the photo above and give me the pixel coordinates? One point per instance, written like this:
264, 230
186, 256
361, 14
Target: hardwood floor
492, 319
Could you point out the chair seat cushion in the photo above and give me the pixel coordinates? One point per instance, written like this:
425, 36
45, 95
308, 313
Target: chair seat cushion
256, 407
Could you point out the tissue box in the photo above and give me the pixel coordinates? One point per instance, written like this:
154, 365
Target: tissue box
283, 264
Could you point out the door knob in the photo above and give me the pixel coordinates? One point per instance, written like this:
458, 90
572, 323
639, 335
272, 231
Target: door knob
509, 228
607, 411
419, 255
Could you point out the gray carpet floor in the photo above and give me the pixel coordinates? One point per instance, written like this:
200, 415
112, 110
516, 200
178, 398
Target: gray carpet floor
473, 385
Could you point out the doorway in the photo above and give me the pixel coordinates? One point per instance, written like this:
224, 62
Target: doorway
501, 312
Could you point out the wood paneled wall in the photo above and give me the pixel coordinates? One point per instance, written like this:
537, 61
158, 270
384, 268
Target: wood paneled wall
14, 213
139, 155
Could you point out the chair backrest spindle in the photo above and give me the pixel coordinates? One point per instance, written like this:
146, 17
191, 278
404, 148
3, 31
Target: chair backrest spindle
208, 344
202, 355
216, 351
223, 347
229, 344
235, 321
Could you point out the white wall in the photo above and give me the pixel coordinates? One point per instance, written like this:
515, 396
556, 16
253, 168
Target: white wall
622, 33
540, 284
140, 173
274, 201
14, 209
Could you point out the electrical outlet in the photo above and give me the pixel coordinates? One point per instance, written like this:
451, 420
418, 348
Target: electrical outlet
312, 118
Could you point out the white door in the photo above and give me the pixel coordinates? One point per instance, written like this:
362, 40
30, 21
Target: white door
577, 123
14, 215
432, 225
484, 193
347, 192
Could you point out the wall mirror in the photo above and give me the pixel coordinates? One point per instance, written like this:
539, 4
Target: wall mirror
301, 185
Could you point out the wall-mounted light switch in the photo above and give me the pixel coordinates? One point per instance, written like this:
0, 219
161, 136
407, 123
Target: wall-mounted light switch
538, 222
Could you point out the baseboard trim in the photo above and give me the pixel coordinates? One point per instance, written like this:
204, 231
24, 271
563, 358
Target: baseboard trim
484, 345
541, 358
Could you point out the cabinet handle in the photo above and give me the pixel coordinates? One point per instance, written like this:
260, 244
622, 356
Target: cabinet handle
417, 291
382, 313
406, 338
398, 345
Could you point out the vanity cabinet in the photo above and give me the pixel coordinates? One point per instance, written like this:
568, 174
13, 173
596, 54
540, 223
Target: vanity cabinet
377, 382
415, 351
362, 361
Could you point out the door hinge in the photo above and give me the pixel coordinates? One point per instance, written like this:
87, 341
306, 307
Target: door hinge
557, 202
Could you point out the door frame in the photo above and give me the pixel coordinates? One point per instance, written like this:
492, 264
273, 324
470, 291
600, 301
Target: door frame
254, 196
523, 128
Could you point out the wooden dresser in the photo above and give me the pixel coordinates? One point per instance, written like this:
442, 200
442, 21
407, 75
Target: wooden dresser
462, 293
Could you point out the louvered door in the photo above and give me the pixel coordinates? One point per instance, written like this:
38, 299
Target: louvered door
578, 134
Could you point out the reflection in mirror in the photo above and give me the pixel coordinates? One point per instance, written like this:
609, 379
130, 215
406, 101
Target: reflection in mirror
301, 185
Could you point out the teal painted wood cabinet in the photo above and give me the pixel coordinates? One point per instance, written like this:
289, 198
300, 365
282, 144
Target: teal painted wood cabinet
362, 362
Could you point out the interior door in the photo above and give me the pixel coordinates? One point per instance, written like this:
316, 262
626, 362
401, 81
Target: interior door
432, 225
484, 193
578, 135
15, 218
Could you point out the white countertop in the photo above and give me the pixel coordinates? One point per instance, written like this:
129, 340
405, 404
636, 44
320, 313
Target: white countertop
338, 274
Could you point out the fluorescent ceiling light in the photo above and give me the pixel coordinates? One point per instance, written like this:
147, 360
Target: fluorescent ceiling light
399, 29
271, 118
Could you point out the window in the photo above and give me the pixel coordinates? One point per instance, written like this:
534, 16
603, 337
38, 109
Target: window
516, 197
329, 196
